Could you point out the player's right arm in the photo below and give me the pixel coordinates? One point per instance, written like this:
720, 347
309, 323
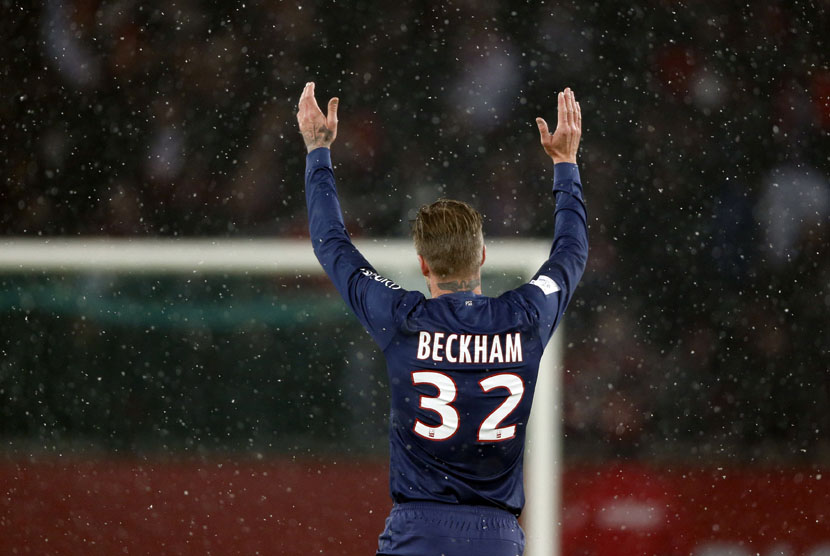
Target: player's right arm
553, 285
373, 299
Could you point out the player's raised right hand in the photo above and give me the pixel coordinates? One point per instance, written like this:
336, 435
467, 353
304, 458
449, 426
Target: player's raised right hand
317, 129
563, 144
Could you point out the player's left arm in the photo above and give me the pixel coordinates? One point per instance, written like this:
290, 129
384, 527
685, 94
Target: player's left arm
373, 299
552, 287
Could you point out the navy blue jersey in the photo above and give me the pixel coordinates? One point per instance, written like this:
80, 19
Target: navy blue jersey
462, 367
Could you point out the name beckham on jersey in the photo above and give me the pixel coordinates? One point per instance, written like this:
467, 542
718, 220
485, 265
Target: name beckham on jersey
470, 348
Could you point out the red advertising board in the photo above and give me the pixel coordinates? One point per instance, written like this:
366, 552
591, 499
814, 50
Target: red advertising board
714, 511
288, 507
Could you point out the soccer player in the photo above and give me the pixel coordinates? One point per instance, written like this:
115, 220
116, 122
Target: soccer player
462, 367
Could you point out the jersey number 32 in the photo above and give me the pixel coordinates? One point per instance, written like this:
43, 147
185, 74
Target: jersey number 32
489, 430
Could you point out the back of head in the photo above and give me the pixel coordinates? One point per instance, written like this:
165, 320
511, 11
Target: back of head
449, 237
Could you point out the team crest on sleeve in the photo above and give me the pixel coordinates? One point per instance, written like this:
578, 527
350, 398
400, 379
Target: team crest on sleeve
546, 284
369, 273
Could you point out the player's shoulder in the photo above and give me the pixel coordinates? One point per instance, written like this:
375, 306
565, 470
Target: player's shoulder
530, 298
381, 289
409, 302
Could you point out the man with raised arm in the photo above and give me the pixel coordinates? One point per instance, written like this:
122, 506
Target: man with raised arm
462, 367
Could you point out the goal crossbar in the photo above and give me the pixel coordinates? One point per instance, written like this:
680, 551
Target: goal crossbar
228, 255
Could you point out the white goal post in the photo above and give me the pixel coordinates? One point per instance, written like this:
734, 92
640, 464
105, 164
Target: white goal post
518, 260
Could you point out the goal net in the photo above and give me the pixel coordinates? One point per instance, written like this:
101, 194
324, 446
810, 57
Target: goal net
117, 280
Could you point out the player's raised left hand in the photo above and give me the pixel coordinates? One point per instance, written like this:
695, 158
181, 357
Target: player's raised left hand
563, 144
318, 130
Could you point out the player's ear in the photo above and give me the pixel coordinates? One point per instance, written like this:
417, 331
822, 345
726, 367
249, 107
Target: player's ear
483, 254
424, 266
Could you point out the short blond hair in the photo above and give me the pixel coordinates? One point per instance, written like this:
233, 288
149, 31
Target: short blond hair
448, 235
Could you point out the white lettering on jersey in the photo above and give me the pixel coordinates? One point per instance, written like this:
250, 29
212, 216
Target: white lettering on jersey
440, 404
489, 431
437, 346
423, 344
513, 348
449, 354
495, 351
455, 348
480, 349
546, 284
369, 273
464, 349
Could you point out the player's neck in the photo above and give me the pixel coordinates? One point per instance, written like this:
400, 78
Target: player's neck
442, 286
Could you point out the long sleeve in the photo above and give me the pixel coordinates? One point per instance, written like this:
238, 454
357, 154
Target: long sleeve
552, 287
371, 297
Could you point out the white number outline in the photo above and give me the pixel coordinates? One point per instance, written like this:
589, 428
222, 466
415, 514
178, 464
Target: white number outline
439, 404
489, 430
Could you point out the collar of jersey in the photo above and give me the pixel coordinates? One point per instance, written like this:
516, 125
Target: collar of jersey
454, 295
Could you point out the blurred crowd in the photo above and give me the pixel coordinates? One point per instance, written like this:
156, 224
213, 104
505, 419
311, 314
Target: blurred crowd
701, 327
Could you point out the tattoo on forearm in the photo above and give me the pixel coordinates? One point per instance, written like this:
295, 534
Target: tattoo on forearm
459, 285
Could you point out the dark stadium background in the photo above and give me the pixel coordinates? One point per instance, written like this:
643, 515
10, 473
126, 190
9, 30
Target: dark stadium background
222, 414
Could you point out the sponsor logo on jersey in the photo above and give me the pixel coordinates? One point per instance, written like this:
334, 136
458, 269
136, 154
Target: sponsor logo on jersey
369, 273
470, 348
546, 284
